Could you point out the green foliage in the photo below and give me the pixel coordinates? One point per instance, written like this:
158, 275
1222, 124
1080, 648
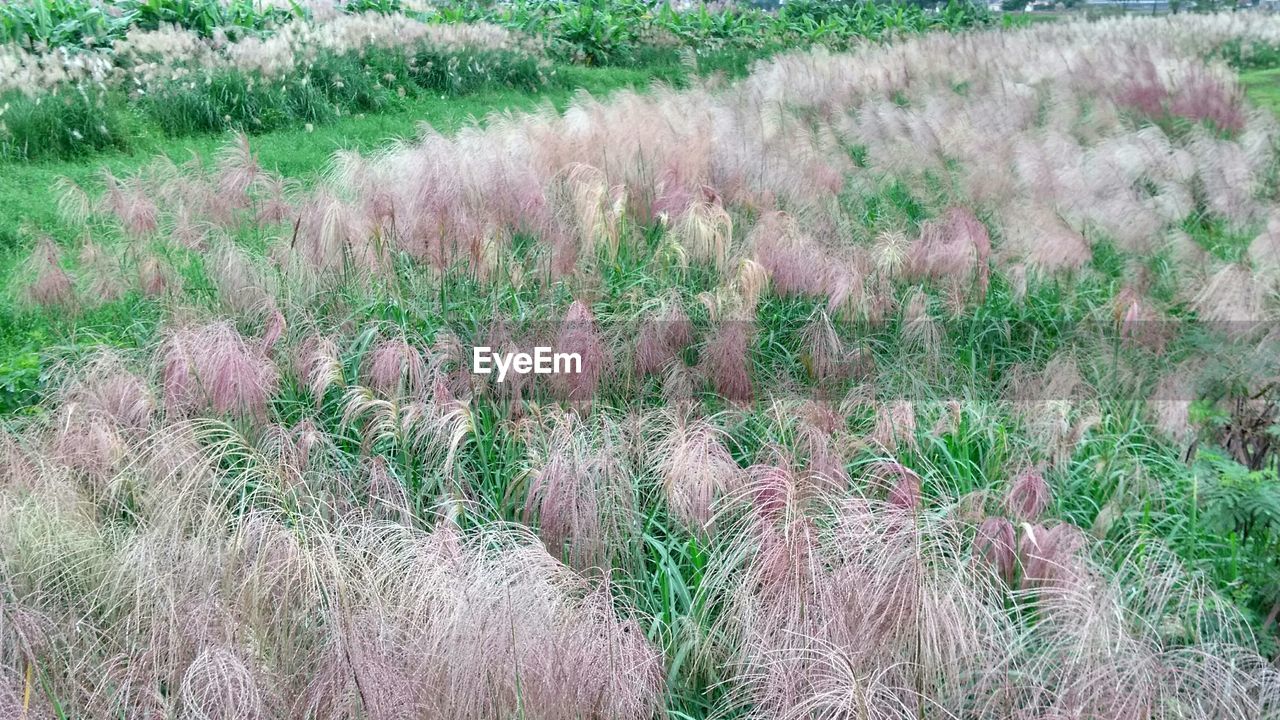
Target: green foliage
206, 16
87, 23
597, 33
1241, 529
385, 7
1239, 501
1251, 56
600, 32
1263, 87
59, 23
593, 32
1216, 236
20, 378
959, 15
732, 26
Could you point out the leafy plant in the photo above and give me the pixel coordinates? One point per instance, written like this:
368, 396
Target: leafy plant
59, 23
595, 32
87, 23
1241, 507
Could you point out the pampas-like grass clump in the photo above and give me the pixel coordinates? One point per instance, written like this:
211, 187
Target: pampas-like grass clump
213, 368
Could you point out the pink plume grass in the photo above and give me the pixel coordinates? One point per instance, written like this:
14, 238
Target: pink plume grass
51, 286
1051, 556
578, 334
996, 544
581, 497
955, 248
1029, 496
396, 369
696, 469
213, 368
661, 338
726, 360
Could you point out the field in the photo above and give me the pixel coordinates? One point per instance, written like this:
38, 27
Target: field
928, 362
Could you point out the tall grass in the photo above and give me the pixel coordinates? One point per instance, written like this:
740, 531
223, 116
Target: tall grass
916, 384
64, 125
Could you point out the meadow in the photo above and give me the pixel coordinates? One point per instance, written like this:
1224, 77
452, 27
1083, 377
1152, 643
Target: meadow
929, 364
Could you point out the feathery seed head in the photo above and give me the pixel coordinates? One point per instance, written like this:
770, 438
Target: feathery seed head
995, 542
1029, 496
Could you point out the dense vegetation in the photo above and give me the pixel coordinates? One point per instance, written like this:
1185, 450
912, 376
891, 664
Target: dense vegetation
598, 30
89, 23
925, 378
83, 77
613, 31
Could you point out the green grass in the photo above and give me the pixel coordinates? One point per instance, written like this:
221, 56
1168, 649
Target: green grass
1263, 88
